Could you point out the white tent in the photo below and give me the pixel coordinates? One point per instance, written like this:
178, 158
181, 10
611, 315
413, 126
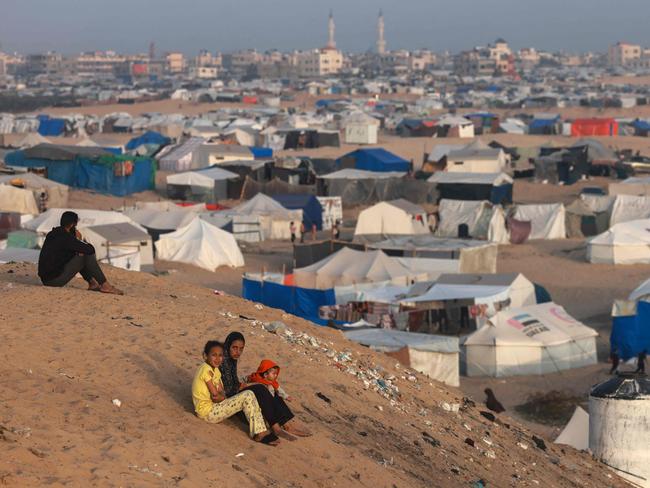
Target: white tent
360, 129
641, 292
483, 220
348, 267
52, 217
18, 200
537, 339
636, 185
397, 217
576, 431
629, 207
361, 174
160, 219
19, 255
203, 178
626, 243
201, 244
122, 245
435, 356
32, 139
273, 219
57, 193
548, 221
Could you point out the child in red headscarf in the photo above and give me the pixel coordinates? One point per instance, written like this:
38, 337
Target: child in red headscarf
267, 374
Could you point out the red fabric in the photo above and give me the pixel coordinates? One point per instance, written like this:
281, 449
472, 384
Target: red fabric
264, 366
594, 127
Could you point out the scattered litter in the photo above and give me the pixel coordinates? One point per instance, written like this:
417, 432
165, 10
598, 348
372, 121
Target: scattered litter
117, 402
487, 441
430, 440
455, 469
539, 443
490, 454
258, 306
467, 427
239, 454
37, 452
62, 373
218, 292
469, 442
488, 415
135, 325
276, 327
479, 484
523, 445
450, 407
145, 470
323, 397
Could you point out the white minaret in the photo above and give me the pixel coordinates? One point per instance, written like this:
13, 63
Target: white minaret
331, 43
381, 42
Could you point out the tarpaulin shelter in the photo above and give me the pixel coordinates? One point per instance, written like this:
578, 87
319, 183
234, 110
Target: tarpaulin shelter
433, 355
594, 127
494, 187
57, 193
46, 221
261, 152
51, 127
546, 124
394, 217
480, 219
180, 158
374, 159
89, 168
624, 243
302, 302
548, 221
631, 330
204, 185
312, 211
149, 137
123, 245
576, 431
537, 339
415, 128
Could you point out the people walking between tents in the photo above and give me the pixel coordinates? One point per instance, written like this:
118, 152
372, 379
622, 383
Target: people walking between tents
292, 229
274, 409
640, 362
211, 404
65, 253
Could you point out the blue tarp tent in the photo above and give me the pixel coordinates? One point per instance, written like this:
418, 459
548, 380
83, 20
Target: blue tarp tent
631, 334
149, 137
51, 127
373, 159
543, 126
302, 302
88, 168
261, 152
312, 211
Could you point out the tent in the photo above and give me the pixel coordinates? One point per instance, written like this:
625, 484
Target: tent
454, 126
312, 211
576, 431
160, 221
477, 157
594, 127
148, 138
273, 220
51, 218
180, 158
360, 129
17, 200
582, 220
628, 207
483, 220
206, 185
51, 127
32, 139
548, 221
88, 167
57, 194
374, 159
636, 185
625, 243
122, 245
494, 187
641, 292
392, 218
348, 267
433, 355
201, 244
537, 339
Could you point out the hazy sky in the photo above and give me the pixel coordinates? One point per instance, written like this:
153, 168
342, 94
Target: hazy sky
70, 26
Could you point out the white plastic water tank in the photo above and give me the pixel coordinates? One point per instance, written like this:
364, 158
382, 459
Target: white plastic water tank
619, 426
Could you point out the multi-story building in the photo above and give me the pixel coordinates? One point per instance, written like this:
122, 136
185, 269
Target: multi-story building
476, 62
204, 72
528, 57
623, 54
320, 62
421, 60
175, 62
49, 64
98, 64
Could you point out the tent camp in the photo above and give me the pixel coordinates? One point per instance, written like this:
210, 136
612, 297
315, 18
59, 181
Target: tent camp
56, 193
180, 158
207, 185
454, 126
374, 159
537, 339
435, 356
46, 221
494, 187
122, 245
201, 244
576, 431
158, 222
548, 221
312, 211
397, 217
626, 243
348, 267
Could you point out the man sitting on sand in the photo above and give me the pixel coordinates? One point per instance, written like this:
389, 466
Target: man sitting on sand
64, 255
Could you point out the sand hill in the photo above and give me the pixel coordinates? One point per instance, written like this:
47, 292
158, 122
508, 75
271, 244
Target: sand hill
67, 354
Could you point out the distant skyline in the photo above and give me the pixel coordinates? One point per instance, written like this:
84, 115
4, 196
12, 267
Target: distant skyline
72, 26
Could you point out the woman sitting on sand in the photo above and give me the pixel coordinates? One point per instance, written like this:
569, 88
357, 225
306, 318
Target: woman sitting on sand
274, 408
211, 404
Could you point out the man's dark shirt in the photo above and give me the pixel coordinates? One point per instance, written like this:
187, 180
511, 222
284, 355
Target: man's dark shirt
59, 248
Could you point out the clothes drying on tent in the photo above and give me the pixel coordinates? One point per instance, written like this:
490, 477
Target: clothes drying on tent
200, 244
538, 339
312, 211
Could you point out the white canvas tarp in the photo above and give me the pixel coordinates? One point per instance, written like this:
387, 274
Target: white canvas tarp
435, 356
397, 217
57, 194
547, 220
52, 217
625, 243
482, 219
576, 431
274, 219
628, 207
18, 200
201, 179
537, 339
201, 244
641, 292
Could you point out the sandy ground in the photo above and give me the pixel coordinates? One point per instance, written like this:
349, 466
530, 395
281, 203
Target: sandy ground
69, 352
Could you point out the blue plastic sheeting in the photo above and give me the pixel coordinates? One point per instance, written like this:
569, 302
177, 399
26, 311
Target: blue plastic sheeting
149, 137
641, 125
312, 211
541, 294
377, 159
501, 194
631, 335
301, 302
542, 123
51, 127
261, 152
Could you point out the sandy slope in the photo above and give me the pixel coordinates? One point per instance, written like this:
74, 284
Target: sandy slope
68, 352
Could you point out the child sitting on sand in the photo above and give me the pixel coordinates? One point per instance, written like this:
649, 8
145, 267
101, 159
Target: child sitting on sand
211, 404
267, 374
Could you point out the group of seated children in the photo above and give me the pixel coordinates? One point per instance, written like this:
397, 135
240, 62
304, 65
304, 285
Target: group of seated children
259, 396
